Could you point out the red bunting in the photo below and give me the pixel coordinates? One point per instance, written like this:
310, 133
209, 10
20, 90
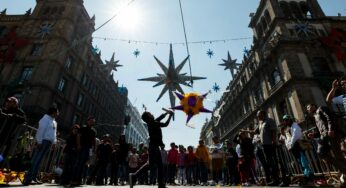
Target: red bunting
336, 40
9, 46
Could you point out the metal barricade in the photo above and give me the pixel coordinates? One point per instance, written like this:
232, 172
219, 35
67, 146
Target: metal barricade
23, 142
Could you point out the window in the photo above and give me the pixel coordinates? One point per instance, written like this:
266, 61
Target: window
75, 118
283, 109
267, 16
258, 96
275, 77
69, 62
296, 10
36, 50
80, 100
305, 10
3, 31
264, 24
26, 74
320, 64
61, 85
85, 80
285, 9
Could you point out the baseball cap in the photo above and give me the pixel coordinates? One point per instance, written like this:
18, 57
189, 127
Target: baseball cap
12, 99
286, 117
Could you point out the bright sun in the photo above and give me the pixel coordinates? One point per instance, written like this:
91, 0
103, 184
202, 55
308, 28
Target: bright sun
129, 19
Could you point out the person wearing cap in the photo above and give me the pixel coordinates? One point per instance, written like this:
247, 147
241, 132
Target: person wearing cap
86, 142
10, 119
45, 138
294, 136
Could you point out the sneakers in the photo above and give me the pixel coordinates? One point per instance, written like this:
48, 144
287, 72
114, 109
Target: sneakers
284, 184
342, 178
273, 183
38, 182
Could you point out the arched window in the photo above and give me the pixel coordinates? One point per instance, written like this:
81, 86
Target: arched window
267, 17
264, 24
305, 10
296, 10
259, 30
285, 9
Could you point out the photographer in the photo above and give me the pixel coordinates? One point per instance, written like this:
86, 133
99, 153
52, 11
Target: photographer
337, 98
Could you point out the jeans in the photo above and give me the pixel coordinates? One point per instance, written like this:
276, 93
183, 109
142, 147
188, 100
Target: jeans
123, 171
82, 158
37, 157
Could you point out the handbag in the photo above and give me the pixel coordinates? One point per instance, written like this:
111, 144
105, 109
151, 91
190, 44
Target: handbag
304, 144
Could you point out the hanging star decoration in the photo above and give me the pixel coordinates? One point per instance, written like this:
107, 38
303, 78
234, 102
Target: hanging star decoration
172, 78
110, 65
246, 52
45, 30
95, 50
191, 104
122, 90
216, 87
336, 40
136, 53
230, 64
210, 53
304, 29
9, 46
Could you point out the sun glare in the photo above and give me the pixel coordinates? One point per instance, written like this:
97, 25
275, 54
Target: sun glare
129, 19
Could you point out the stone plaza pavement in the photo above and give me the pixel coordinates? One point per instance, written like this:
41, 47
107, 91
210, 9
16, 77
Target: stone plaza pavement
48, 185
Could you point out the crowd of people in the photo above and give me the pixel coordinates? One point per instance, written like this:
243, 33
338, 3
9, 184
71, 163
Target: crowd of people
251, 157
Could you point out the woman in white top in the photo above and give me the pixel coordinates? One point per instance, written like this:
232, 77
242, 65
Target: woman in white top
294, 136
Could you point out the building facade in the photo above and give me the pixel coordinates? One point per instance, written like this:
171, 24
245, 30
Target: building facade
47, 59
136, 131
297, 52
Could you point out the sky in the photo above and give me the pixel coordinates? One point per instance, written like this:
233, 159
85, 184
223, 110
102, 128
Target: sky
159, 21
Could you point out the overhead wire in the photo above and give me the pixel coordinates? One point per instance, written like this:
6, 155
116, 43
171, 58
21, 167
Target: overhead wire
187, 45
173, 43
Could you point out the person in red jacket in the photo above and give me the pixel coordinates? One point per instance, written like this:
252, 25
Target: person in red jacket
172, 158
191, 166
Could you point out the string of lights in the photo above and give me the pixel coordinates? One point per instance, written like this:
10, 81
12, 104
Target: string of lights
173, 43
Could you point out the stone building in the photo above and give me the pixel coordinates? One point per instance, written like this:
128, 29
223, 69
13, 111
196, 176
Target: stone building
47, 59
136, 131
296, 53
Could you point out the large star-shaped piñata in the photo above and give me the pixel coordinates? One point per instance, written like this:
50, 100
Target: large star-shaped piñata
171, 77
230, 64
111, 65
191, 104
